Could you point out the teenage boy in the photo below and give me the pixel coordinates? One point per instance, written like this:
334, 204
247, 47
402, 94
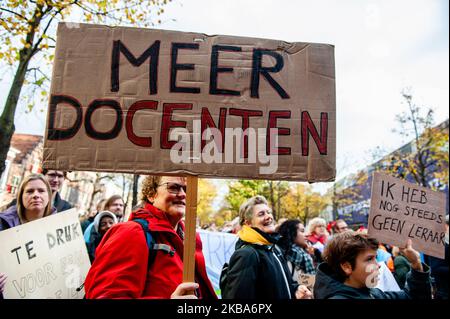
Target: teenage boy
350, 271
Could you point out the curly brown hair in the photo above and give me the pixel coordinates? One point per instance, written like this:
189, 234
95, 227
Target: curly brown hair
149, 187
345, 247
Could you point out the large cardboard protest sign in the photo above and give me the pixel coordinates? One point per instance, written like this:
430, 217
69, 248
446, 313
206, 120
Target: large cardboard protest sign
400, 211
153, 101
46, 258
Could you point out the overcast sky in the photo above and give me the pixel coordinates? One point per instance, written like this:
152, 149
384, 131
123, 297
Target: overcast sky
380, 48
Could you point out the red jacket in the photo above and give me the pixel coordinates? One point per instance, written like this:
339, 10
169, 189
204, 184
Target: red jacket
313, 238
120, 266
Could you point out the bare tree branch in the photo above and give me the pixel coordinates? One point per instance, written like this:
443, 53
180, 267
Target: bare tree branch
15, 13
39, 70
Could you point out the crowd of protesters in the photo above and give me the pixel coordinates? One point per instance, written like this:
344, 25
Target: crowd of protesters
268, 261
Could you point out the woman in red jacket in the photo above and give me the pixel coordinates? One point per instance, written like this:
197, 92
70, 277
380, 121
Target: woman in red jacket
122, 268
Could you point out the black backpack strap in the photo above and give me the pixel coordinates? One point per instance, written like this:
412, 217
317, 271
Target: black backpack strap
223, 279
149, 239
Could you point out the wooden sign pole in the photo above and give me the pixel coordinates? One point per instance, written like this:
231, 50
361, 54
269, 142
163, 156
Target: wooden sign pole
189, 230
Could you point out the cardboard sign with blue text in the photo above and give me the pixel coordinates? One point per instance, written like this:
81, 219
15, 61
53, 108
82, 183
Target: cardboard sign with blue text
400, 210
45, 258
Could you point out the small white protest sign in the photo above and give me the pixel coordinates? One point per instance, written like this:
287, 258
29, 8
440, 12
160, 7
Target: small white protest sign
45, 258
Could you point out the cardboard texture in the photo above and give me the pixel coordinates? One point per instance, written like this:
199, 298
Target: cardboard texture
308, 280
46, 258
120, 96
400, 210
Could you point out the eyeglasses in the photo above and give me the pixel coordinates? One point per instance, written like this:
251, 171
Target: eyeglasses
54, 175
174, 188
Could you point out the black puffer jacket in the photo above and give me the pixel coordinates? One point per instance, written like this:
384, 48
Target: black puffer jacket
258, 272
327, 286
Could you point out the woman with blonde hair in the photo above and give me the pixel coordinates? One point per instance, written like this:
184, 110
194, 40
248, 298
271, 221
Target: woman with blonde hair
33, 202
317, 233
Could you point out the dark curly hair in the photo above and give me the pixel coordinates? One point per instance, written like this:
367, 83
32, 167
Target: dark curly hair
288, 232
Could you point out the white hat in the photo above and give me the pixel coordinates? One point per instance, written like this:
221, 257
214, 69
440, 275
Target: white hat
99, 217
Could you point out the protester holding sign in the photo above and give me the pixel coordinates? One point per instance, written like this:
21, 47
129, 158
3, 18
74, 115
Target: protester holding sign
350, 271
33, 202
257, 269
55, 180
125, 267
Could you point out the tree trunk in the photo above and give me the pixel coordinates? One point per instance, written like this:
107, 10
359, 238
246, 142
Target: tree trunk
7, 118
91, 201
278, 201
124, 184
272, 200
7, 127
135, 190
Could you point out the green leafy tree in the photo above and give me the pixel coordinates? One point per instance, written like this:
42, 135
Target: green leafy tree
275, 191
27, 41
241, 190
426, 162
222, 216
207, 192
302, 203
